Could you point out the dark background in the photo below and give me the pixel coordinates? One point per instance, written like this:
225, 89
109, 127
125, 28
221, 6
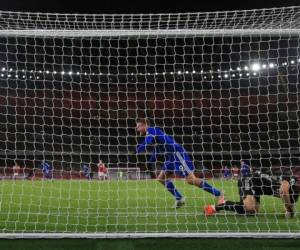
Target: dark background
74, 119
113, 6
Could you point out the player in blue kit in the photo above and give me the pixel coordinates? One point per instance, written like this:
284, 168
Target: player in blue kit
177, 161
47, 170
87, 171
245, 168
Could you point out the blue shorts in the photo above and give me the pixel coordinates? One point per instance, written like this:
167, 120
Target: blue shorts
179, 163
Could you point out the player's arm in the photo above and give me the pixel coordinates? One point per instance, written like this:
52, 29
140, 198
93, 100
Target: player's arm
149, 139
285, 195
153, 156
143, 146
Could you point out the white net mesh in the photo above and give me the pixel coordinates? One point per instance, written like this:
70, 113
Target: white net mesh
225, 85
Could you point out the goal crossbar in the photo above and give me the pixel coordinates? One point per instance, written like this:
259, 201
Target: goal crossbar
150, 33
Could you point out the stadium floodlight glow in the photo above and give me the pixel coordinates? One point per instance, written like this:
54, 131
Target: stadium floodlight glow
271, 65
255, 66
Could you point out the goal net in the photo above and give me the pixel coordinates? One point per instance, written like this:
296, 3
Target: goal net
225, 85
124, 173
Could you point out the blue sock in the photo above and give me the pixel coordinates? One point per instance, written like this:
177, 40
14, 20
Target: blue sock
210, 189
171, 188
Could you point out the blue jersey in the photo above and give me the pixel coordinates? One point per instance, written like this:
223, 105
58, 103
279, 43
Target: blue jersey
86, 169
46, 167
226, 172
163, 143
176, 159
245, 170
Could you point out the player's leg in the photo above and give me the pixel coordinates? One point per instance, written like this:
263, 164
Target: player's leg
285, 196
164, 178
185, 168
249, 206
193, 180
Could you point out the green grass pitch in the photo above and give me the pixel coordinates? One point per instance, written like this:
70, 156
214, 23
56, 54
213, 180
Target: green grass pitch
79, 206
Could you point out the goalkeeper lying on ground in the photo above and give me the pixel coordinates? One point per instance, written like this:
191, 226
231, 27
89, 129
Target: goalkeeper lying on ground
177, 161
255, 184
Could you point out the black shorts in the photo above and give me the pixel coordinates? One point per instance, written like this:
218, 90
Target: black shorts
294, 189
257, 187
244, 187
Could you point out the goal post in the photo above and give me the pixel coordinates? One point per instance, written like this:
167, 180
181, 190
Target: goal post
124, 173
224, 84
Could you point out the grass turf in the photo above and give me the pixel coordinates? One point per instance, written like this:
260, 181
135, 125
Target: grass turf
79, 206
